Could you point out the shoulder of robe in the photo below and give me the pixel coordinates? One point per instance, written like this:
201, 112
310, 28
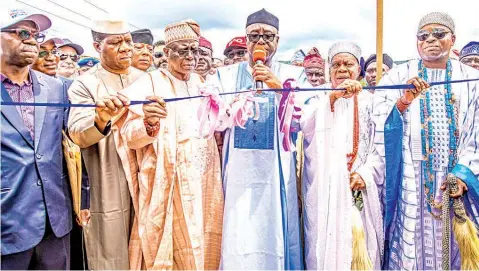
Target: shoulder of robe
136, 73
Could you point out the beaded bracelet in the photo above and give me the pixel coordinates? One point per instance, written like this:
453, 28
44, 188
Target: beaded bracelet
151, 129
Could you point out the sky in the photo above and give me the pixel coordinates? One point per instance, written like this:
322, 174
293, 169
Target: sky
302, 23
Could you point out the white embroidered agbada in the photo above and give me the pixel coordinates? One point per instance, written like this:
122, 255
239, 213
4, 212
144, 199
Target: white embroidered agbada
413, 236
328, 138
261, 223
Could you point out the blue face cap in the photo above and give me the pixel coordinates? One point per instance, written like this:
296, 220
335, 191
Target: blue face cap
88, 62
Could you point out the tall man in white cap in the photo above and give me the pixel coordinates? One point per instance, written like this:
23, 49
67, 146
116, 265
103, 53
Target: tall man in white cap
340, 161
258, 175
180, 226
35, 202
107, 237
427, 136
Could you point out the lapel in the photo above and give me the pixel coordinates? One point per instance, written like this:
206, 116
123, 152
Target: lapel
11, 113
40, 94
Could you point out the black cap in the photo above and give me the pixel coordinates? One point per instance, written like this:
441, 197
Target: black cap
142, 36
387, 60
263, 17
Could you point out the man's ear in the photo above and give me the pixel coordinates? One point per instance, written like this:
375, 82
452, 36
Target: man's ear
453, 39
97, 46
166, 50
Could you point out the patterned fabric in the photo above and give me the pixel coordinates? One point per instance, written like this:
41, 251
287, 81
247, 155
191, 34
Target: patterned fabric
184, 30
178, 196
23, 94
413, 236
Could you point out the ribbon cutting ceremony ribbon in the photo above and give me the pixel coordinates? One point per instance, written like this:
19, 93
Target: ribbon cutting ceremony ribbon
209, 109
286, 112
403, 86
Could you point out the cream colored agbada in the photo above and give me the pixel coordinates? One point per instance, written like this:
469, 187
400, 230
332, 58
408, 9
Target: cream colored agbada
179, 194
107, 235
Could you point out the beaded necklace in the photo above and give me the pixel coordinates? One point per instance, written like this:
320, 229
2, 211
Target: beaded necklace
427, 135
352, 156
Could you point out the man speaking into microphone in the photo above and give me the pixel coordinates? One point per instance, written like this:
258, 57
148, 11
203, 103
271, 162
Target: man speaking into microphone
258, 175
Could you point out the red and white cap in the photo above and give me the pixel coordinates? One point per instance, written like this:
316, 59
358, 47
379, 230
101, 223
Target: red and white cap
238, 42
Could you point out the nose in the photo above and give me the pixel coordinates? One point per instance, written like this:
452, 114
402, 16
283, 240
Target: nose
314, 77
125, 47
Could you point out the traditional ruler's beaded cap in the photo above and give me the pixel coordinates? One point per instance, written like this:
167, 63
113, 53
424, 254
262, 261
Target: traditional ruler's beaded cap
437, 18
344, 47
184, 30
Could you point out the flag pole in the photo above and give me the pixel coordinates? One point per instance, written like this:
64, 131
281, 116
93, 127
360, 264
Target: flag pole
379, 40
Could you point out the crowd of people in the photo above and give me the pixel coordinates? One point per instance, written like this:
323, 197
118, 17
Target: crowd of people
340, 178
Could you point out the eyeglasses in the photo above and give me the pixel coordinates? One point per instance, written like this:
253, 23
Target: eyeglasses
24, 34
239, 53
470, 60
46, 53
73, 57
158, 54
437, 33
186, 52
140, 46
256, 37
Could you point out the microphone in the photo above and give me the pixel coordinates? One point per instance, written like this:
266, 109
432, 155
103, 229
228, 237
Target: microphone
259, 57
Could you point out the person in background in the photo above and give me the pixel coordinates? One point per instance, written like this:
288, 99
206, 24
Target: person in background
36, 206
142, 49
236, 51
86, 63
370, 68
313, 65
69, 54
160, 59
204, 67
47, 60
470, 54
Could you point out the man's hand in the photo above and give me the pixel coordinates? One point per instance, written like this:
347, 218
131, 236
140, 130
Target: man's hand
108, 107
352, 87
154, 111
263, 73
461, 189
356, 183
419, 84
84, 218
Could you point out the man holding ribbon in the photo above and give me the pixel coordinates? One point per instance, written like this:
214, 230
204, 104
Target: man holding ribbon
178, 197
341, 162
261, 229
427, 137
94, 130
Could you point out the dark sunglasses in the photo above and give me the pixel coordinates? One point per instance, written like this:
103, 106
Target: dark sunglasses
24, 34
436, 33
240, 53
158, 54
73, 57
46, 53
256, 37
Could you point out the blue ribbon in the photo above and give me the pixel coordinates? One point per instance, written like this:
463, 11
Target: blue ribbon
403, 86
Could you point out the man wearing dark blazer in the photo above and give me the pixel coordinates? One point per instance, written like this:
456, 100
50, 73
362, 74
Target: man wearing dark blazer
36, 211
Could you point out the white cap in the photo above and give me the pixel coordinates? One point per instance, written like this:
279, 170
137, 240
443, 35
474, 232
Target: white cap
110, 26
41, 21
345, 47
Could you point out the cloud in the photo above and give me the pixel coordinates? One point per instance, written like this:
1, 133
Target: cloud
303, 23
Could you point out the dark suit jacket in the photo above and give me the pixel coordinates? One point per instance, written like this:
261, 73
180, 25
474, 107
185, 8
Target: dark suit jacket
34, 184
85, 184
